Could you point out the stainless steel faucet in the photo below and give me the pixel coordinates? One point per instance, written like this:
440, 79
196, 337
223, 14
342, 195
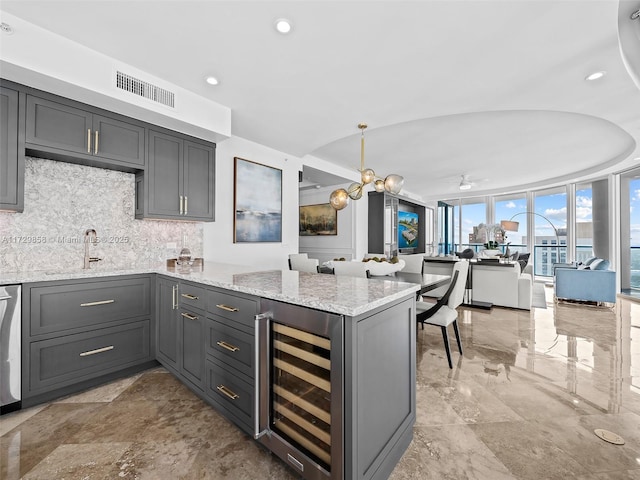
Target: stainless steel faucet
90, 236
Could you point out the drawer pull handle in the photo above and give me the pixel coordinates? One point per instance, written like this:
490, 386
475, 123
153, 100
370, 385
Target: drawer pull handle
97, 350
227, 308
190, 297
228, 346
88, 140
174, 297
95, 147
93, 304
189, 316
229, 393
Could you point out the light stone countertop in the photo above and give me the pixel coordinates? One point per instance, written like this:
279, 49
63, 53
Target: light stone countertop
349, 296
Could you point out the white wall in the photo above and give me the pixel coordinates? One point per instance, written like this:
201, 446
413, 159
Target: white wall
218, 236
47, 61
327, 247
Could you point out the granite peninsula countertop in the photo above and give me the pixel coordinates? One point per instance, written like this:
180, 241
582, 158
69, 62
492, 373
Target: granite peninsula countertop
336, 294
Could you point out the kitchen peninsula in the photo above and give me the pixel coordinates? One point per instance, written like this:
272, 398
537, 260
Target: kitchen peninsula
333, 397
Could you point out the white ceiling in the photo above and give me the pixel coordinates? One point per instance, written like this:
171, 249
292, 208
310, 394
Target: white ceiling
494, 90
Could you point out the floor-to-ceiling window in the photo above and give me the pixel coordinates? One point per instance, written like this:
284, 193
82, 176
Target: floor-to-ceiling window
513, 207
446, 228
630, 229
584, 222
571, 222
472, 214
634, 231
550, 230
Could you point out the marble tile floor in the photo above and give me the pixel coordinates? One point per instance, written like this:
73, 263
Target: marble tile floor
520, 403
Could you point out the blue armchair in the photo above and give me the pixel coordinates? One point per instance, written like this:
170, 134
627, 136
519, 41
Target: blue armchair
585, 285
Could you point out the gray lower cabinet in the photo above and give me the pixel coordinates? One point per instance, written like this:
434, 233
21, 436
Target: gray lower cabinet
78, 333
179, 180
191, 321
66, 360
181, 324
232, 393
11, 155
230, 349
192, 351
206, 338
69, 131
167, 322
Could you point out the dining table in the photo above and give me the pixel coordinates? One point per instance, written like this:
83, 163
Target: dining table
427, 281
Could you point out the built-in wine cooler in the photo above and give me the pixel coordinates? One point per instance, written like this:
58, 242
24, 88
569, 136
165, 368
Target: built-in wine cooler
299, 359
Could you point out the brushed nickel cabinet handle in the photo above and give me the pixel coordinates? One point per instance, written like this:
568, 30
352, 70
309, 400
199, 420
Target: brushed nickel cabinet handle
190, 297
181, 205
228, 346
189, 316
88, 140
95, 144
186, 202
229, 393
93, 304
174, 297
227, 308
97, 350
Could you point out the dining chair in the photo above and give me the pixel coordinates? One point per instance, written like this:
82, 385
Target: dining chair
443, 313
351, 269
413, 263
301, 264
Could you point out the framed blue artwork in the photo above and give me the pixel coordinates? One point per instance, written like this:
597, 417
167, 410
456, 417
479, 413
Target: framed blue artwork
257, 202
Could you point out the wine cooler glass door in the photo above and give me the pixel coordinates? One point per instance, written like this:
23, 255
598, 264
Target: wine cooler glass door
301, 390
302, 383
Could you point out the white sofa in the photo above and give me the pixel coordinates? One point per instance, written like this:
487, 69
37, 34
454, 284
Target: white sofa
502, 286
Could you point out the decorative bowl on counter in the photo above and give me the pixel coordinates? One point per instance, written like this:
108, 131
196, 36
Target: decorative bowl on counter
376, 269
196, 263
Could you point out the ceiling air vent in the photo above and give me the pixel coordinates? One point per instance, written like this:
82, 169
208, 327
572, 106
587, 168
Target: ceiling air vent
144, 89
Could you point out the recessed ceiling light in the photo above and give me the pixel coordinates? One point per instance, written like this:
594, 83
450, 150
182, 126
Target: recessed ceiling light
212, 80
596, 75
6, 28
283, 26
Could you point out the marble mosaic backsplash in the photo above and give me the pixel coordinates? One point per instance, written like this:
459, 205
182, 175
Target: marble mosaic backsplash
63, 200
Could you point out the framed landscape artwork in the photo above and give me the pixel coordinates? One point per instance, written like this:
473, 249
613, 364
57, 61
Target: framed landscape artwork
257, 202
321, 219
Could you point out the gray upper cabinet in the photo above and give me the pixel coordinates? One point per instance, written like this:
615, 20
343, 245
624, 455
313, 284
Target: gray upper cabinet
64, 131
11, 156
179, 180
199, 176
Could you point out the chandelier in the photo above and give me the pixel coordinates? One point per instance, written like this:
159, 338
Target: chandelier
391, 183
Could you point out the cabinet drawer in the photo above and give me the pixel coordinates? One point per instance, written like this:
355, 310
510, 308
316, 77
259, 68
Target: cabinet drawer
229, 390
193, 296
231, 346
235, 308
58, 307
66, 360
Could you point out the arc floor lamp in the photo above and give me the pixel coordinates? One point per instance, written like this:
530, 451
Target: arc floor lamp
511, 226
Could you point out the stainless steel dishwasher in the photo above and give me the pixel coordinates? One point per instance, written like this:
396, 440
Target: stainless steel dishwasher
10, 341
